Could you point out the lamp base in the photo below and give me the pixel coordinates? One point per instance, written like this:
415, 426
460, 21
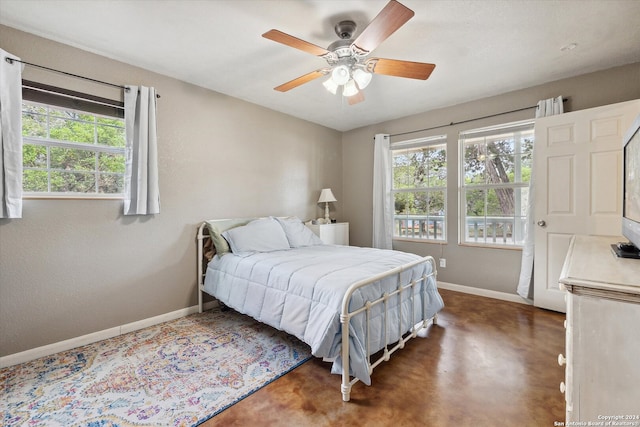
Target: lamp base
327, 220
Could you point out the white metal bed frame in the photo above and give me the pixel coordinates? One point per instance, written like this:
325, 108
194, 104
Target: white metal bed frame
346, 315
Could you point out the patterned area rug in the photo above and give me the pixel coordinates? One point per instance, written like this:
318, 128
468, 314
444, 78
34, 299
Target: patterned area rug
178, 373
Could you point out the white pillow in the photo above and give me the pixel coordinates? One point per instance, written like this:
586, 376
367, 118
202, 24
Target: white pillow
260, 235
298, 234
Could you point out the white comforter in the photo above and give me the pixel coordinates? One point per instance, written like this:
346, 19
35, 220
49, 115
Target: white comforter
300, 291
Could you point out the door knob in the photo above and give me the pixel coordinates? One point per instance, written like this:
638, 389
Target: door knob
542, 223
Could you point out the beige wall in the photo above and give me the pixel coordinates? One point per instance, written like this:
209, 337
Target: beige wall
492, 269
73, 267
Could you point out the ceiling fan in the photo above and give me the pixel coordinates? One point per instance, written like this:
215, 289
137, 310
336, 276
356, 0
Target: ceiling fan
350, 68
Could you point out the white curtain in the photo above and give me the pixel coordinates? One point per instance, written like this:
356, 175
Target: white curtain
545, 108
142, 196
382, 214
549, 107
10, 136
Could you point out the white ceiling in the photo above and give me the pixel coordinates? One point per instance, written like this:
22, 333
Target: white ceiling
480, 47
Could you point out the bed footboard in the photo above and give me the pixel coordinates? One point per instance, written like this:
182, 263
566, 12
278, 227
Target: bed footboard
387, 351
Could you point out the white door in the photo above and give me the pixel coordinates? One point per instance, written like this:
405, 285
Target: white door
578, 187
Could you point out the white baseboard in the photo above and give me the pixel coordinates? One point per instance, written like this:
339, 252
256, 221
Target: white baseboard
484, 293
47, 350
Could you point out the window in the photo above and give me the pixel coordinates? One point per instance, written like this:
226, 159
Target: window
495, 173
420, 188
70, 152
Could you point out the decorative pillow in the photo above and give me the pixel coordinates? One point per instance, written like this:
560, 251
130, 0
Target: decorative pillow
260, 235
297, 233
219, 242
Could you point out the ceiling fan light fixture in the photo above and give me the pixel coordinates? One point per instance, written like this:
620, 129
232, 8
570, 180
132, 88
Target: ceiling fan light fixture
362, 78
330, 85
340, 75
350, 88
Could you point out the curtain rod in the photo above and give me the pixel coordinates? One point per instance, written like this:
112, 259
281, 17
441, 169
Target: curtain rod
469, 120
12, 60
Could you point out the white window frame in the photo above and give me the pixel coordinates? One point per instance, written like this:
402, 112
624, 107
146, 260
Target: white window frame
425, 228
94, 147
493, 227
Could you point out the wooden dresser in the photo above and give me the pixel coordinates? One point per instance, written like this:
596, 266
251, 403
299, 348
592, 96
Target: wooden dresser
602, 377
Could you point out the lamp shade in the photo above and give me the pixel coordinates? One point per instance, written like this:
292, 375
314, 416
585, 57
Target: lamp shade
362, 78
350, 88
326, 196
331, 86
340, 74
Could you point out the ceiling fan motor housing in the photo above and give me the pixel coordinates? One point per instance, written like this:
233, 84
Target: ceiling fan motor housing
345, 29
342, 48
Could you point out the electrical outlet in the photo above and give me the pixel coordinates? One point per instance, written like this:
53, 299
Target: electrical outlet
443, 262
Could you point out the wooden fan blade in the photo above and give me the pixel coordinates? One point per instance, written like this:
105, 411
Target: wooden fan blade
393, 16
301, 80
358, 97
286, 39
397, 68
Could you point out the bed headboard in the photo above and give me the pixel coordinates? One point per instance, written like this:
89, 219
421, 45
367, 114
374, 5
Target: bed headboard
206, 249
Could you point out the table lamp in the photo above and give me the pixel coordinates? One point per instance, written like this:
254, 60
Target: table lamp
326, 196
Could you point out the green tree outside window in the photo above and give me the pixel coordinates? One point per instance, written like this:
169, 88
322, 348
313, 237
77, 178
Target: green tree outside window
68, 151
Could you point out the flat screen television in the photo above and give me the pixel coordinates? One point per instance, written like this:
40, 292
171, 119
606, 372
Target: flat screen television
631, 189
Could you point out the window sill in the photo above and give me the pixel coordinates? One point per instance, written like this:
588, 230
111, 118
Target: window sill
491, 246
430, 241
71, 196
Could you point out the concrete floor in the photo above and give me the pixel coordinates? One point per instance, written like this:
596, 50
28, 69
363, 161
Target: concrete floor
487, 363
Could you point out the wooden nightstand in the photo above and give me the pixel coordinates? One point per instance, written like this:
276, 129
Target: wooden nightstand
332, 234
